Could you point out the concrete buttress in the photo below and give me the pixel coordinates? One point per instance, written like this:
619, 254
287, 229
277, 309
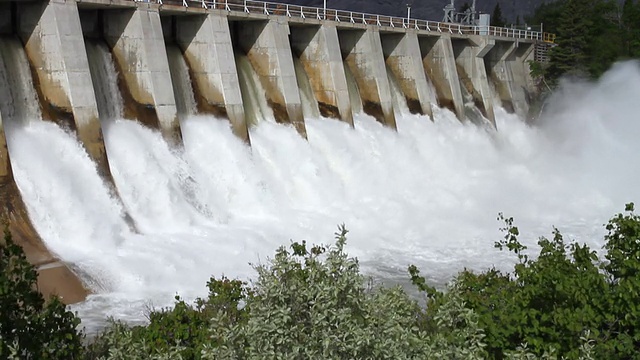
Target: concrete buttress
52, 35
319, 50
362, 51
522, 86
402, 54
137, 45
440, 66
267, 46
499, 72
469, 55
206, 43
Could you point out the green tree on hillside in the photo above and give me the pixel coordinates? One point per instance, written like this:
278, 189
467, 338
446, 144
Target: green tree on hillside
496, 16
631, 28
570, 56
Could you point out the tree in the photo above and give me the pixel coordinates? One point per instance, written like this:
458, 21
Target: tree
496, 17
631, 28
570, 56
31, 328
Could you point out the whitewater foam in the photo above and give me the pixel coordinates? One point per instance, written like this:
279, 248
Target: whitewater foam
425, 195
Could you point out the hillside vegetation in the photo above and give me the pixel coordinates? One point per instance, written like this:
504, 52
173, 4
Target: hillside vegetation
591, 35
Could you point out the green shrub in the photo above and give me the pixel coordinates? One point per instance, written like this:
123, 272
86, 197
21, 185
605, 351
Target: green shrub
31, 328
306, 303
551, 301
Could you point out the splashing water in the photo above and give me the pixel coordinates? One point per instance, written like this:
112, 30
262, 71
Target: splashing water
427, 194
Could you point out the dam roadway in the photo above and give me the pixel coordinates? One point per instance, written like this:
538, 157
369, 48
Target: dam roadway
435, 64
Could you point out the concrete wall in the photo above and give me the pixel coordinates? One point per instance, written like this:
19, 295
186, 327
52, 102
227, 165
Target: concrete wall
439, 63
499, 73
469, 54
319, 50
523, 85
137, 44
402, 53
362, 51
267, 46
206, 43
54, 44
54, 277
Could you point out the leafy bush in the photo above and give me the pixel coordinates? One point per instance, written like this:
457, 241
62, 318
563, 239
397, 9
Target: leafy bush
551, 301
313, 303
31, 328
305, 304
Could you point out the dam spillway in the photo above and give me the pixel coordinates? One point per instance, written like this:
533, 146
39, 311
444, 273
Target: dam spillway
142, 100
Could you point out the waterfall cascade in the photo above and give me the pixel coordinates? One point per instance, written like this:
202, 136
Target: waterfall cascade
424, 195
19, 103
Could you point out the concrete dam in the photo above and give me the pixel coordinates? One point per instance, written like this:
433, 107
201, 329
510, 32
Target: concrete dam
81, 65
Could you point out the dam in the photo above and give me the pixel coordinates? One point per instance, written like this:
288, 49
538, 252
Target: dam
72, 70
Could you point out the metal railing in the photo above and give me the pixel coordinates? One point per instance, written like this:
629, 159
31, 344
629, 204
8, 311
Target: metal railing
341, 16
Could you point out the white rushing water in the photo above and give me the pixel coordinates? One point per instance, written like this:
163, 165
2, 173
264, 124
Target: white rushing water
425, 195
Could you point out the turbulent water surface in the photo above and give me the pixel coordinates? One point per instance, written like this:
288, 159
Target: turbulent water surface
427, 194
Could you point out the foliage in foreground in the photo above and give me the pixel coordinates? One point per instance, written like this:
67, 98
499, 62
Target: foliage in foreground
29, 327
565, 298
306, 304
313, 303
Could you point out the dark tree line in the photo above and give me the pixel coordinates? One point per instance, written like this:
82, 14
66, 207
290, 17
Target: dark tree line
591, 35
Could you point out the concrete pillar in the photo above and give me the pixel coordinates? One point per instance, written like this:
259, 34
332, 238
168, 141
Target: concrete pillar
54, 277
362, 51
402, 53
523, 86
500, 73
54, 44
439, 63
206, 43
469, 54
137, 44
319, 50
266, 44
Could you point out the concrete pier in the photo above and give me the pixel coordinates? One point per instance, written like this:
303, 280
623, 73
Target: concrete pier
522, 85
318, 48
440, 65
402, 54
52, 35
469, 54
267, 46
208, 50
499, 72
137, 44
362, 51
